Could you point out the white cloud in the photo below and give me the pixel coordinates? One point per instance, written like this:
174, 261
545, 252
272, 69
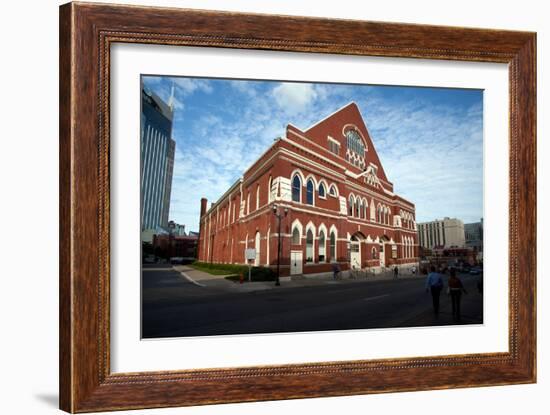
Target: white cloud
295, 97
190, 85
432, 154
245, 87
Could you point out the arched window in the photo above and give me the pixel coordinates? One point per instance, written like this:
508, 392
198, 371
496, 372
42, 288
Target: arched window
350, 206
309, 246
332, 248
309, 192
366, 205
322, 247
257, 197
296, 189
296, 237
332, 190
354, 141
257, 247
357, 207
373, 253
269, 185
248, 203
322, 190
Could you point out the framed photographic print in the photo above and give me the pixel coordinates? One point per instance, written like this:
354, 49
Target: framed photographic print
260, 207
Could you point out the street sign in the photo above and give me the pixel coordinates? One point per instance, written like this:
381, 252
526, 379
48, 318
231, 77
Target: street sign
250, 255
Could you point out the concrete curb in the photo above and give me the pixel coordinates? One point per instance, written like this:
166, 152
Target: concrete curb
191, 280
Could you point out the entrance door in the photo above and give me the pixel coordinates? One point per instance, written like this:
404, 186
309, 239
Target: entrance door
355, 255
382, 256
296, 260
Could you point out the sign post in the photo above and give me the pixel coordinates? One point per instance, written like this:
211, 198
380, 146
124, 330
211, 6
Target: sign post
250, 255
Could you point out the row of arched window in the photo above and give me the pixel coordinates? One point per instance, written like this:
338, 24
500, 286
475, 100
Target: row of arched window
383, 214
313, 255
407, 242
407, 219
358, 207
321, 189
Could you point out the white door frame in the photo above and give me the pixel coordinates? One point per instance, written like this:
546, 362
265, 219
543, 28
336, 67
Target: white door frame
382, 254
355, 257
296, 262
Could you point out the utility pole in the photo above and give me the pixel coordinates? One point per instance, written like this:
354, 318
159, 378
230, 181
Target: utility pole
279, 216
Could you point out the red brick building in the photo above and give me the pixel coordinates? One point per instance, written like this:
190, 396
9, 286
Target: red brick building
180, 246
340, 205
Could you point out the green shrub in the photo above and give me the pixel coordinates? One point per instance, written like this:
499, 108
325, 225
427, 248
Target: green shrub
257, 273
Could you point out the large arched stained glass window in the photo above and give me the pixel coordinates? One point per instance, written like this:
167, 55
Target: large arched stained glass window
355, 143
309, 192
296, 189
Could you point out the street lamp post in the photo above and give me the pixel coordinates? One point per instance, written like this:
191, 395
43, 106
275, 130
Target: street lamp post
279, 216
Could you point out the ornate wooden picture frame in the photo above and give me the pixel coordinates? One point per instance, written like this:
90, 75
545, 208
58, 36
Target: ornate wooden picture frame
87, 32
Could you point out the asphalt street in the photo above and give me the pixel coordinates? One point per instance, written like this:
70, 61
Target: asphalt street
174, 307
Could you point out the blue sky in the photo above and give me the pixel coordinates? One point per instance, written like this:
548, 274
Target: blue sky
429, 140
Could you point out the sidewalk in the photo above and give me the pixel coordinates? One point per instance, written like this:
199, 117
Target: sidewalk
218, 282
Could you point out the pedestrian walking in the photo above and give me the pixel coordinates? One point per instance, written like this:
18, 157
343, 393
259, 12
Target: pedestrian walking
456, 288
434, 284
395, 272
335, 270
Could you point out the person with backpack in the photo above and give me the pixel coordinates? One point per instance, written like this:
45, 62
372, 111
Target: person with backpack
434, 284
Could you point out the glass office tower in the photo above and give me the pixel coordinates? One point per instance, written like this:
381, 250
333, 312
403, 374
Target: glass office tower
157, 160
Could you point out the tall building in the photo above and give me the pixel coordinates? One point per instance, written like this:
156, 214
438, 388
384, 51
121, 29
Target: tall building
340, 205
176, 229
157, 160
474, 235
445, 233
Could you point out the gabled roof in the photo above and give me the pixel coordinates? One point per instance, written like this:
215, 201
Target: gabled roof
333, 125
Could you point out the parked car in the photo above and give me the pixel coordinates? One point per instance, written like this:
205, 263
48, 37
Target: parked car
475, 271
149, 259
